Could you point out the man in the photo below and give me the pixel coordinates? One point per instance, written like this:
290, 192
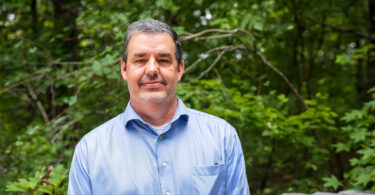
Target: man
157, 146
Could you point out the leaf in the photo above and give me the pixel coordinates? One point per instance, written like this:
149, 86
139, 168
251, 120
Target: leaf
368, 154
24, 185
258, 25
342, 147
58, 175
70, 100
364, 179
370, 105
355, 162
31, 129
353, 115
372, 90
332, 182
245, 21
33, 50
45, 189
343, 59
358, 135
15, 187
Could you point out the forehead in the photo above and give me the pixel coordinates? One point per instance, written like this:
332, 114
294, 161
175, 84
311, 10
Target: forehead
150, 43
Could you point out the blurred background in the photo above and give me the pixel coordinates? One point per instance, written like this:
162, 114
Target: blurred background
295, 78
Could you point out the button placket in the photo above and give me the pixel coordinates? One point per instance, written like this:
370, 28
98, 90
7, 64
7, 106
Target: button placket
165, 172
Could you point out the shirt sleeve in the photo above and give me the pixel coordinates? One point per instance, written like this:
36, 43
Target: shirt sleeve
79, 181
236, 179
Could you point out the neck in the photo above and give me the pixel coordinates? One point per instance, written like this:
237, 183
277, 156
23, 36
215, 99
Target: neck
155, 114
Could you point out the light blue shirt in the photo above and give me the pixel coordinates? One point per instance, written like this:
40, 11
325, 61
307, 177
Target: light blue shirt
196, 153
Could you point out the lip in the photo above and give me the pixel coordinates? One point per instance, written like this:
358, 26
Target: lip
152, 84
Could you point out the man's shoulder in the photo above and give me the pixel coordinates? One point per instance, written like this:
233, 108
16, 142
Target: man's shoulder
209, 125
203, 117
103, 130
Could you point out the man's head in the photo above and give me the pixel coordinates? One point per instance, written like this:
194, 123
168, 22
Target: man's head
151, 64
151, 26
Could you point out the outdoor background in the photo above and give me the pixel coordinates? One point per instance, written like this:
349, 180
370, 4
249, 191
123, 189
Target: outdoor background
295, 78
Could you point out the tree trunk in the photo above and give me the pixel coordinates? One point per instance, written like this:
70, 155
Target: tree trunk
65, 15
370, 65
66, 46
34, 16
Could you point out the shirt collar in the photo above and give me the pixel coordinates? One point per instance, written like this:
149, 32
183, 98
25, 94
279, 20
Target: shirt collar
130, 114
181, 111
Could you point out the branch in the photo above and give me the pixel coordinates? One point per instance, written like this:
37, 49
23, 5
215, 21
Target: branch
227, 48
224, 47
246, 73
78, 62
58, 76
251, 37
252, 48
69, 63
61, 129
66, 109
192, 36
49, 54
229, 33
214, 37
193, 65
342, 30
223, 88
280, 74
20, 83
21, 96
38, 103
212, 65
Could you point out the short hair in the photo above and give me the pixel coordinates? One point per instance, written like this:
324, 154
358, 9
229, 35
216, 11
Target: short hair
151, 26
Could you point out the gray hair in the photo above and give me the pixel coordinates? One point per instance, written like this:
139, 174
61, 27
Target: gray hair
151, 26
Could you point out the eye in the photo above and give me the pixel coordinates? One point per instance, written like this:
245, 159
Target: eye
164, 61
140, 61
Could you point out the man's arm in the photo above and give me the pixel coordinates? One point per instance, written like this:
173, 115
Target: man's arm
79, 181
236, 180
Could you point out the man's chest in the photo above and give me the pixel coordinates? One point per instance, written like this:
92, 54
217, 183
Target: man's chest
158, 166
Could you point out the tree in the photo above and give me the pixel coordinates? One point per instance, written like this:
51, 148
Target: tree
291, 76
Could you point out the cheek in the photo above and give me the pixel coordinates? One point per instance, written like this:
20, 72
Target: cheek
135, 75
170, 74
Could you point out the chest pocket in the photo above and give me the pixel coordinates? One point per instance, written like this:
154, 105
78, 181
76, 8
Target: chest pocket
209, 179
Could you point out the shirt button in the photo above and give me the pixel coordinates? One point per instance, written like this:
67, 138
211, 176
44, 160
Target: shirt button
160, 137
167, 193
165, 165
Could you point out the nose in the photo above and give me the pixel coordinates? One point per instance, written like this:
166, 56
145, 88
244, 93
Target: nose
152, 67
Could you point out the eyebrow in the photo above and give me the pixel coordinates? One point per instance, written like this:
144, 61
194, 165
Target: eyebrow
165, 55
159, 55
140, 54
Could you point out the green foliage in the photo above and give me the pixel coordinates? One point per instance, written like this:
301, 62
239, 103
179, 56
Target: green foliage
360, 131
267, 132
332, 182
41, 182
60, 78
24, 185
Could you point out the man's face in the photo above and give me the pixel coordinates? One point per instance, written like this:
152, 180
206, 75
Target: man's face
151, 68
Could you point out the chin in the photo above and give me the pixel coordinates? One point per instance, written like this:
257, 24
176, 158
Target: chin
156, 98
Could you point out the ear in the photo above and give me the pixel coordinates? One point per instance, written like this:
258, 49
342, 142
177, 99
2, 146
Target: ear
123, 70
180, 70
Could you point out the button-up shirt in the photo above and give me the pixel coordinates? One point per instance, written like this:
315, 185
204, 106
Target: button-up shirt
196, 153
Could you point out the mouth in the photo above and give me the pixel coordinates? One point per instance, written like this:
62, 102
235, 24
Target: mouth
151, 84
